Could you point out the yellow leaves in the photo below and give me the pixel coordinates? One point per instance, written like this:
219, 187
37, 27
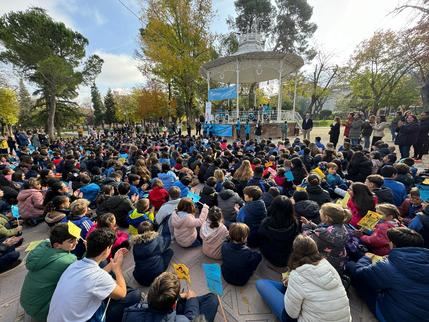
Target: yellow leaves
9, 106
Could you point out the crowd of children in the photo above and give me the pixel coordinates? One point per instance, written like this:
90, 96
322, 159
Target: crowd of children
297, 204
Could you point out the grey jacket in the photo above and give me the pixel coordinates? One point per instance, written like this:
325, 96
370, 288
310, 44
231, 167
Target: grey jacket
226, 200
355, 129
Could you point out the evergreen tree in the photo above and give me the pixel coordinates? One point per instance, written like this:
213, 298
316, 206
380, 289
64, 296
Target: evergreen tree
97, 105
109, 105
25, 104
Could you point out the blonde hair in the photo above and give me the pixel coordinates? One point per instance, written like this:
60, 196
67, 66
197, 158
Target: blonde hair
387, 209
244, 172
335, 213
219, 175
238, 232
79, 207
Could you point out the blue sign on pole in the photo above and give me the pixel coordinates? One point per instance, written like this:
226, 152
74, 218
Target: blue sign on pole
222, 129
223, 93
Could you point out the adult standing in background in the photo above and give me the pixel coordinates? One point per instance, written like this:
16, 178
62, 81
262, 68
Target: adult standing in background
378, 129
307, 126
284, 130
198, 127
247, 130
367, 131
258, 131
348, 124
238, 128
407, 135
422, 146
355, 129
394, 125
334, 132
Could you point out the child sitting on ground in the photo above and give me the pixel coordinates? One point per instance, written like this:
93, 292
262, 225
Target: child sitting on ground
151, 251
411, 206
9, 227
78, 211
331, 235
108, 220
213, 233
378, 242
333, 179
158, 195
185, 224
208, 193
253, 212
58, 209
141, 213
166, 303
239, 261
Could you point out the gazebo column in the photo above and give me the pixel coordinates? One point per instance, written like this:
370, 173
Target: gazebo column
294, 95
238, 90
279, 103
208, 85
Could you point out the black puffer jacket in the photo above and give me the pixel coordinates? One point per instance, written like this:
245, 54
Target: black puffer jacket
357, 172
317, 194
308, 209
120, 206
208, 196
408, 134
276, 243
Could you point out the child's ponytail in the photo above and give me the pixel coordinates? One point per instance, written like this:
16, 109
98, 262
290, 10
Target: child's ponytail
215, 217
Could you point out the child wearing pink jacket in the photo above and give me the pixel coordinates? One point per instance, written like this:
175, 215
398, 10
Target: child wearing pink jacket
213, 233
185, 224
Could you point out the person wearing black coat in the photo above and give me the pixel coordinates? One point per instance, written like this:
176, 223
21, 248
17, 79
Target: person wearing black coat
334, 132
422, 146
119, 205
315, 191
408, 135
151, 251
360, 167
208, 193
278, 231
305, 207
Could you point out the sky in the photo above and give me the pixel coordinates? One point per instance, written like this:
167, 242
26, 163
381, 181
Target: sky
112, 29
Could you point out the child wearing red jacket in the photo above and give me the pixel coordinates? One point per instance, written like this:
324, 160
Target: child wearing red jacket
378, 242
158, 195
361, 200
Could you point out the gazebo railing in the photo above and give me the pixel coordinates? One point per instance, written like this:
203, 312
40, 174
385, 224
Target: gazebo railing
265, 117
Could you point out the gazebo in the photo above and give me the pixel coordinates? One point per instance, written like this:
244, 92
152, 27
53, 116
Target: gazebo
252, 64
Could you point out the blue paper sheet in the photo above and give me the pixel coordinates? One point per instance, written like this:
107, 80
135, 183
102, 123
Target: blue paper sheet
195, 198
15, 211
213, 278
289, 175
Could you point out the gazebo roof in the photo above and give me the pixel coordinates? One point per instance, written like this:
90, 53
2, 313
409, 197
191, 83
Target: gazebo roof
258, 66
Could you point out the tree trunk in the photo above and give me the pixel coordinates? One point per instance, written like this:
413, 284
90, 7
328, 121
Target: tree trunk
424, 91
52, 106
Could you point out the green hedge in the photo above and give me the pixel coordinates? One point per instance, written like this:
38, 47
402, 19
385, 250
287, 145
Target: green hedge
322, 123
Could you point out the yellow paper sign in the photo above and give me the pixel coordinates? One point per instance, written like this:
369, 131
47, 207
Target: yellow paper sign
299, 188
33, 245
376, 258
182, 272
425, 181
319, 172
285, 275
74, 230
345, 200
370, 220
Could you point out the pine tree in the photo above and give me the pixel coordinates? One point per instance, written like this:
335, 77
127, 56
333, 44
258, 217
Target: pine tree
97, 105
25, 105
109, 105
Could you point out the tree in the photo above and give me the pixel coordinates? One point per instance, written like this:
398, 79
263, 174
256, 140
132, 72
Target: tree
126, 107
49, 54
377, 67
175, 43
97, 105
9, 108
257, 15
293, 27
25, 105
153, 103
321, 82
109, 105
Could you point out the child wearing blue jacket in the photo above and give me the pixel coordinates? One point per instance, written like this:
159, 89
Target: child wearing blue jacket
239, 261
253, 212
152, 252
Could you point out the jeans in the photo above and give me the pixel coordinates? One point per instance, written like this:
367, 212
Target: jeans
366, 140
116, 307
208, 304
405, 151
8, 259
272, 292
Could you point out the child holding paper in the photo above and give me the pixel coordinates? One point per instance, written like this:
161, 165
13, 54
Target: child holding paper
239, 261
361, 200
213, 233
185, 224
8, 227
378, 242
45, 265
152, 252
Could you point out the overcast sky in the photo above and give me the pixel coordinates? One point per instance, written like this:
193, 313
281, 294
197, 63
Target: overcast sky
112, 29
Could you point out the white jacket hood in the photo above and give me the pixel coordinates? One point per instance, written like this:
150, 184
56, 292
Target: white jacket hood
323, 275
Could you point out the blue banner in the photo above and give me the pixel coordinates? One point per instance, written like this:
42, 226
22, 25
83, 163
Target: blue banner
222, 129
223, 93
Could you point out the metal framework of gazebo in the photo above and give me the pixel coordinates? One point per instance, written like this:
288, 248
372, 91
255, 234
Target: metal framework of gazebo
252, 64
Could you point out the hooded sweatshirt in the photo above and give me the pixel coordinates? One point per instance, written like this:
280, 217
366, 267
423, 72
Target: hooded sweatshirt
316, 293
226, 200
45, 266
213, 239
185, 224
308, 209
